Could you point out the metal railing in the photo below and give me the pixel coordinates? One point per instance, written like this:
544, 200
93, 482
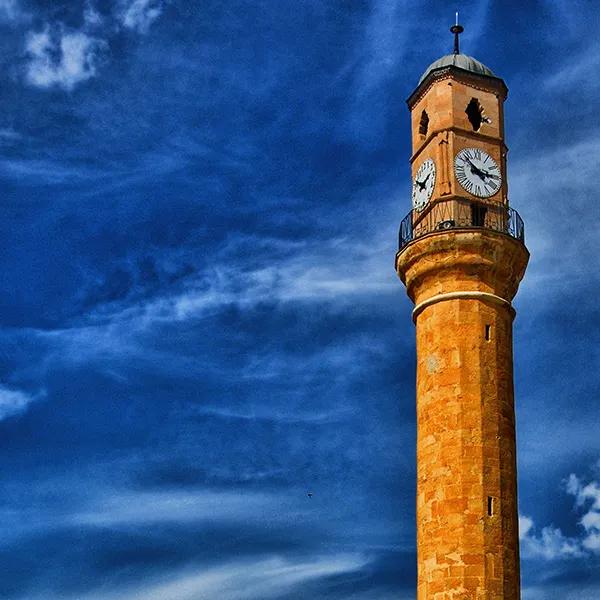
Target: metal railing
461, 214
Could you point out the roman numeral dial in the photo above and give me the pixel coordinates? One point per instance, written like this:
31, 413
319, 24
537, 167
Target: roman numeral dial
477, 172
423, 184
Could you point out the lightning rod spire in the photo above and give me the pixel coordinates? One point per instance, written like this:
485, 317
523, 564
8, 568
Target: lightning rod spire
456, 29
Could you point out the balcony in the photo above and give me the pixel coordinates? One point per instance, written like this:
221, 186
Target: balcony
461, 214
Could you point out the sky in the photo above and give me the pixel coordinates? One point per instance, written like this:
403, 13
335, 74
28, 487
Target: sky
200, 318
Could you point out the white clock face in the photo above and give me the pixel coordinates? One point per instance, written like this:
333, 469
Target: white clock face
477, 172
423, 184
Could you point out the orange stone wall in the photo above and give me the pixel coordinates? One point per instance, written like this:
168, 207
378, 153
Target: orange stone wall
445, 100
466, 463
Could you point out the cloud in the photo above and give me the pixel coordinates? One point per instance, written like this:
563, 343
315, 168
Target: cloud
61, 58
11, 11
91, 17
551, 543
270, 576
384, 43
579, 591
587, 495
336, 275
375, 64
9, 135
121, 509
14, 402
139, 15
130, 509
305, 273
51, 172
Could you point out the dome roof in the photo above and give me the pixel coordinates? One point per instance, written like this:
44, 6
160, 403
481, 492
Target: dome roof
462, 61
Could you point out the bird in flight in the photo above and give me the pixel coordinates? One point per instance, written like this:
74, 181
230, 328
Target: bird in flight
310, 494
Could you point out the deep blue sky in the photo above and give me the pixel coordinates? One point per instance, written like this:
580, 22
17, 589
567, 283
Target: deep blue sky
200, 316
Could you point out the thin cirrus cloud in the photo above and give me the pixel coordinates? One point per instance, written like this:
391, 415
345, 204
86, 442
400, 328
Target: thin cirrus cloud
138, 15
261, 575
123, 509
11, 11
308, 274
14, 402
61, 58
270, 576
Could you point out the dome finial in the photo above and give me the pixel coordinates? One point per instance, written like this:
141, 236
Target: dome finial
456, 29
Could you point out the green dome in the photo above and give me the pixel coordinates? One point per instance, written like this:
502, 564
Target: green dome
461, 61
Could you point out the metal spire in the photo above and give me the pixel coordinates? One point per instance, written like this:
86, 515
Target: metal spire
456, 29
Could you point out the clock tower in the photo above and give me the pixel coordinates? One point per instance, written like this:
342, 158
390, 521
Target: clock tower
461, 257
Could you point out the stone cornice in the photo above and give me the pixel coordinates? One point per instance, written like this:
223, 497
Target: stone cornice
485, 83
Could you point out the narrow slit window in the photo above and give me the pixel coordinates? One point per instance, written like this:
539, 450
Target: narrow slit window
488, 332
424, 124
490, 506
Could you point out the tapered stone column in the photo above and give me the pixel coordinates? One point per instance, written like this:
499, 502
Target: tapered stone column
462, 283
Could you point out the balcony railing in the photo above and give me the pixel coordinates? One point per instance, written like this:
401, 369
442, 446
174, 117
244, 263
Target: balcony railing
458, 214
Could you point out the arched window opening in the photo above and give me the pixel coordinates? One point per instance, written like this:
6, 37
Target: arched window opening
475, 114
423, 124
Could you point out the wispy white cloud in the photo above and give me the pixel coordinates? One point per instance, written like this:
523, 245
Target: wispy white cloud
267, 578
332, 274
14, 402
557, 174
125, 509
384, 43
375, 62
58, 57
587, 495
8, 135
139, 15
319, 272
48, 171
555, 591
61, 58
118, 509
257, 578
11, 11
308, 416
550, 543
91, 17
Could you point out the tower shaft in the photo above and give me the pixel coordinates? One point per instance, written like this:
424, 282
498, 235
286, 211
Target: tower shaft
462, 283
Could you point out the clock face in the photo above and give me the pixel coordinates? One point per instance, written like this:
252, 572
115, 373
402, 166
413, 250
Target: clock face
477, 172
423, 184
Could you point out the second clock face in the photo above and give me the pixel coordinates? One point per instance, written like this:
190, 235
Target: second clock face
477, 172
423, 184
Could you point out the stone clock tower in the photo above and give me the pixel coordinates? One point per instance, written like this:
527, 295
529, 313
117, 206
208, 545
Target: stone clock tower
461, 257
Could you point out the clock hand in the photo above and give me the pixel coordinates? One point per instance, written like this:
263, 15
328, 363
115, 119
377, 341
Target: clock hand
488, 174
476, 171
421, 184
481, 172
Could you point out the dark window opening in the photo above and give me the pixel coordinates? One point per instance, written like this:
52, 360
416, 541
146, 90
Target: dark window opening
424, 124
478, 215
490, 506
474, 112
488, 331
